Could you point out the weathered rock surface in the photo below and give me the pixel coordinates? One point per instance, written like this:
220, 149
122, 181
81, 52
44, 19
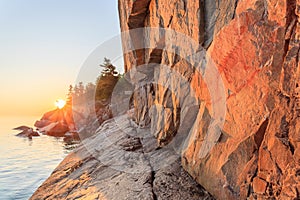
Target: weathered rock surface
26, 132
57, 122
22, 128
255, 47
92, 171
74, 120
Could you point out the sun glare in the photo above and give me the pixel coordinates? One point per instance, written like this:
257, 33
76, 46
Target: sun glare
59, 103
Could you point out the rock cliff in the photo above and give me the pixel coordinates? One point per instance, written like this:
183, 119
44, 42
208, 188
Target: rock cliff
254, 150
219, 83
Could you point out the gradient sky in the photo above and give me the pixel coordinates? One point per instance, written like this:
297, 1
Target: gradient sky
43, 44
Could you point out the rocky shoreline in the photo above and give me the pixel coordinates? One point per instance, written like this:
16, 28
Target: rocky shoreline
61, 123
241, 62
85, 174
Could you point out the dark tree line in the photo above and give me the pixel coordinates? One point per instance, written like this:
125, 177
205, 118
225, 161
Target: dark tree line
99, 91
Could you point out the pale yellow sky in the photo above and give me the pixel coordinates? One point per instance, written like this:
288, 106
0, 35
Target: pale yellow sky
43, 45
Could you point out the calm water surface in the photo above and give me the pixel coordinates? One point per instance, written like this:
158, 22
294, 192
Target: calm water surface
25, 164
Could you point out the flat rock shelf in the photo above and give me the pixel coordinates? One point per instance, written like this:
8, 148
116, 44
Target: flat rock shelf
86, 174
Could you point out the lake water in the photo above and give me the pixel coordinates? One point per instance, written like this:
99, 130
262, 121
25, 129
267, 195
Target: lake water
25, 164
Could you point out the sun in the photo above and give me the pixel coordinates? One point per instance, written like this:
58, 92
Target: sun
59, 103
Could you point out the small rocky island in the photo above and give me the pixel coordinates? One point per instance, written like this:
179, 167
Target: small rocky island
26, 132
58, 123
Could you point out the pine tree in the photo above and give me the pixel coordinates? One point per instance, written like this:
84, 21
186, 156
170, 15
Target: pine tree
109, 68
106, 81
70, 95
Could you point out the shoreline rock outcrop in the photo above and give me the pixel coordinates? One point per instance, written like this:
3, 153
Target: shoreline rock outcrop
57, 122
92, 171
26, 132
71, 121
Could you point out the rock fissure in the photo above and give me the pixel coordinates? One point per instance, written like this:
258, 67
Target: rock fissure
260, 134
266, 12
274, 161
170, 21
235, 6
138, 14
152, 185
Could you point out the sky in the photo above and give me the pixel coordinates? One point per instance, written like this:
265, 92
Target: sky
43, 45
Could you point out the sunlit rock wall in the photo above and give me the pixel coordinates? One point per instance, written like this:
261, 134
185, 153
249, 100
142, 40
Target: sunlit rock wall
254, 46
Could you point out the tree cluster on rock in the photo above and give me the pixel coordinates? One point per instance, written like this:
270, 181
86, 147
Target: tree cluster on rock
81, 99
100, 91
106, 81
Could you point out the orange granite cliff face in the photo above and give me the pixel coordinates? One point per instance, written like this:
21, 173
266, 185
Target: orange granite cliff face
216, 81
255, 46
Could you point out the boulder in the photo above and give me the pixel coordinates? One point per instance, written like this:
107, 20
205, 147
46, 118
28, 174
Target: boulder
42, 123
69, 137
22, 128
26, 132
57, 129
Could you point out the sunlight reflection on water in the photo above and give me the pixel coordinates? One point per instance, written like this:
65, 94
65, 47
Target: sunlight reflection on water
25, 164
